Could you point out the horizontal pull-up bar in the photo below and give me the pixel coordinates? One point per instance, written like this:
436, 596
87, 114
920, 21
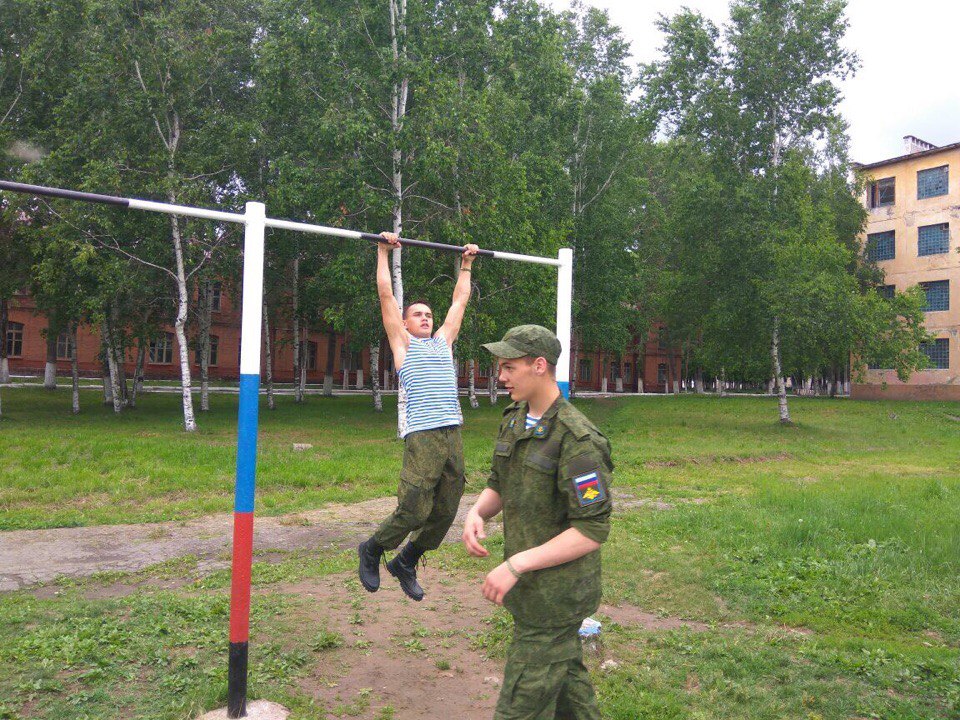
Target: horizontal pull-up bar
205, 214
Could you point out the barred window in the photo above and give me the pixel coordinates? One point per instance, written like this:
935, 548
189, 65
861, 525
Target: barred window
161, 349
938, 295
938, 352
311, 356
662, 374
216, 297
881, 246
64, 346
932, 182
586, 369
933, 239
214, 349
14, 339
882, 193
887, 291
627, 372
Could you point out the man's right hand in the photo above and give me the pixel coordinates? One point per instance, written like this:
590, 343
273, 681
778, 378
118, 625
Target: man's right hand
393, 241
473, 534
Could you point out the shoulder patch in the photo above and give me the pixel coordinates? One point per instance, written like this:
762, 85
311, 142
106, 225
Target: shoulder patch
589, 489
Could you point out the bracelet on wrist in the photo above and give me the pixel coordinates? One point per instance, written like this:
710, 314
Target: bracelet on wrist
464, 269
512, 569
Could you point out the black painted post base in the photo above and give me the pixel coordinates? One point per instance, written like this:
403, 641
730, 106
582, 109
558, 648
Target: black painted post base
237, 681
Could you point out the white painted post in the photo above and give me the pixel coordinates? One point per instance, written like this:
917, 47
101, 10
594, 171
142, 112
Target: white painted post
564, 310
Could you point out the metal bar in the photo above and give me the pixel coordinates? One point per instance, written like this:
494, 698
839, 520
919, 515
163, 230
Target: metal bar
58, 193
202, 213
526, 258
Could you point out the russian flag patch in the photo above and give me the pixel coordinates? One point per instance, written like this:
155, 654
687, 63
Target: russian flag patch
589, 489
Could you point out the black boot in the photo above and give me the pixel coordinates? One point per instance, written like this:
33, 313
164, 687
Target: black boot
404, 568
370, 553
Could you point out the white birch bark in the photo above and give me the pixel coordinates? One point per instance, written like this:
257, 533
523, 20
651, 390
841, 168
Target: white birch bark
74, 371
105, 371
297, 351
268, 349
138, 372
472, 383
180, 324
375, 377
492, 387
398, 111
115, 397
778, 375
50, 367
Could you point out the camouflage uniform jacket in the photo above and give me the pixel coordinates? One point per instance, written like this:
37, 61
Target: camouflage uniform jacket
552, 477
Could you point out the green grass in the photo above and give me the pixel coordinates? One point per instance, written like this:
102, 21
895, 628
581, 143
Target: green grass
824, 558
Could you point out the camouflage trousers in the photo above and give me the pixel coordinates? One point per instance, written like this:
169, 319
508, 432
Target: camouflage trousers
431, 485
545, 678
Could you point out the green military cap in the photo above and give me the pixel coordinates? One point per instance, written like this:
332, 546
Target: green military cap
527, 340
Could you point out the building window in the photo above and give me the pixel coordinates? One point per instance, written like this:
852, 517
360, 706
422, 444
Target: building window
614, 371
662, 374
933, 239
887, 291
161, 349
64, 346
932, 182
882, 193
938, 295
938, 352
661, 338
311, 356
214, 350
627, 373
14, 339
216, 297
881, 246
586, 369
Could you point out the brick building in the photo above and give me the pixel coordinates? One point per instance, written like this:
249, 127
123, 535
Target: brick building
646, 365
912, 234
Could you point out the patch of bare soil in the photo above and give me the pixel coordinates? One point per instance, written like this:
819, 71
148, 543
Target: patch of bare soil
412, 657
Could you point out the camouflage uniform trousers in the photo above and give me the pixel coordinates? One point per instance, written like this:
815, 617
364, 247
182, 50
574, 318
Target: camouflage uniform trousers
431, 485
545, 678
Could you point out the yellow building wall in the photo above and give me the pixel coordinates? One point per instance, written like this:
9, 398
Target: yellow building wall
907, 269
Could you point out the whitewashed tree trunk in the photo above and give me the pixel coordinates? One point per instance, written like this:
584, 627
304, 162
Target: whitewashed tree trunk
472, 383
74, 370
268, 349
778, 374
375, 377
180, 324
50, 367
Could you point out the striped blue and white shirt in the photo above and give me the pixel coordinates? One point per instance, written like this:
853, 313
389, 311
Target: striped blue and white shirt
531, 421
429, 378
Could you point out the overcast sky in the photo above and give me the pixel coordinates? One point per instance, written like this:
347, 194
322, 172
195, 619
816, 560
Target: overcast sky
906, 84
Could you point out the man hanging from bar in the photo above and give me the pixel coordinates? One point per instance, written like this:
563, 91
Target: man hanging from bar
432, 478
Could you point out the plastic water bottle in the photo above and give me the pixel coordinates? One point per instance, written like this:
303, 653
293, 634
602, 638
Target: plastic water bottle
590, 635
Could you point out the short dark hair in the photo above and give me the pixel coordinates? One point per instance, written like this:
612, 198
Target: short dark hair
415, 302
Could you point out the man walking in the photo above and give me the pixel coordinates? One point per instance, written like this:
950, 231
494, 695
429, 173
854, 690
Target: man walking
550, 478
432, 478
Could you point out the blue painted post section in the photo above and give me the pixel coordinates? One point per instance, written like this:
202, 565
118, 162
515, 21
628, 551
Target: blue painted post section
251, 323
564, 318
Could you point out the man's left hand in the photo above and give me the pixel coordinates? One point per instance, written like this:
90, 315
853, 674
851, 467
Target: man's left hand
498, 583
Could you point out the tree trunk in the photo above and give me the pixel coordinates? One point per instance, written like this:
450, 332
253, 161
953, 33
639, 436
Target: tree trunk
116, 346
472, 383
138, 372
331, 364
74, 370
4, 322
205, 296
112, 366
297, 350
375, 376
268, 349
180, 325
398, 111
50, 368
698, 382
492, 387
575, 371
105, 369
778, 374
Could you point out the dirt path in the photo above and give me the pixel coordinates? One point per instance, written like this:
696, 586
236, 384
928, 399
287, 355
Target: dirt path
28, 557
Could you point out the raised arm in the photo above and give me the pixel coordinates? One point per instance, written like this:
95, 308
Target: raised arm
397, 334
461, 296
